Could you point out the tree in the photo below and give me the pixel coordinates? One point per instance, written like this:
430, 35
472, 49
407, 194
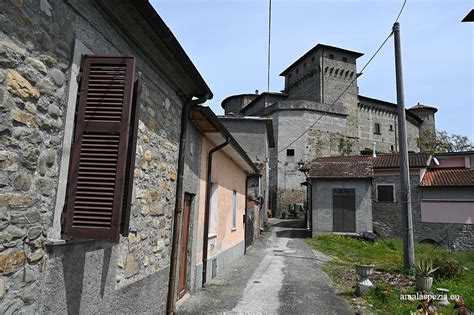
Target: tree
440, 141
345, 146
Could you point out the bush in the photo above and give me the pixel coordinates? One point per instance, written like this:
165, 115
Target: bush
448, 267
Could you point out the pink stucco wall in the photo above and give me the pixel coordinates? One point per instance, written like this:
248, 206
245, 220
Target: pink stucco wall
447, 212
229, 177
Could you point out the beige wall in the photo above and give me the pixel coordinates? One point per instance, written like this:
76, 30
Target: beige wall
229, 177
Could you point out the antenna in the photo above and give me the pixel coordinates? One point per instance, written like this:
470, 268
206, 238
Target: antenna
269, 42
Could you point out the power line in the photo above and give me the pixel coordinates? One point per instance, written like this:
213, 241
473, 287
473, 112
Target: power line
269, 42
401, 10
348, 86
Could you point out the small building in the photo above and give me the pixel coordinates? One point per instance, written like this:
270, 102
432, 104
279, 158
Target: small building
353, 194
255, 135
213, 229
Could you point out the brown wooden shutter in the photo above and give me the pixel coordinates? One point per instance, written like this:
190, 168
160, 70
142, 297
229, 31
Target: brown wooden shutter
99, 151
130, 165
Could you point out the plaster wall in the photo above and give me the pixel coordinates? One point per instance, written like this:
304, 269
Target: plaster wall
322, 204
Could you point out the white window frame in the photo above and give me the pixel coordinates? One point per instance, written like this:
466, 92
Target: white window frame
393, 189
54, 232
213, 210
234, 211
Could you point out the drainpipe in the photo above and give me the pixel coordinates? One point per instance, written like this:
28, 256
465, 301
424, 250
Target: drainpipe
205, 243
171, 301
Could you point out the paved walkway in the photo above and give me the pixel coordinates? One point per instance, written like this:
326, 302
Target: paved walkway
279, 275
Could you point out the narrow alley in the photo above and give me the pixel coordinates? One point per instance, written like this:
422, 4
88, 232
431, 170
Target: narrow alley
278, 275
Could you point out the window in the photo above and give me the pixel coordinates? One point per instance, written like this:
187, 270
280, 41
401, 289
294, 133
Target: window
386, 192
234, 210
331, 56
290, 152
297, 71
391, 148
391, 127
98, 197
312, 59
377, 129
213, 210
304, 65
344, 59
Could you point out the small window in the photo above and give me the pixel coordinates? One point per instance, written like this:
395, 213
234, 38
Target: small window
297, 71
331, 56
290, 76
386, 193
234, 210
344, 59
377, 129
391, 148
304, 65
312, 59
290, 152
391, 127
213, 210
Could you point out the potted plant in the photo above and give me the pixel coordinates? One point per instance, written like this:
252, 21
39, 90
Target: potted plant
423, 270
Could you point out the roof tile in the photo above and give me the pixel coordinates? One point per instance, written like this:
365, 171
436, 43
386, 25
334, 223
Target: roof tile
448, 177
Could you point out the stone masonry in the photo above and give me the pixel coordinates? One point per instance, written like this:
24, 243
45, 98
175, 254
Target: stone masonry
36, 272
346, 123
387, 219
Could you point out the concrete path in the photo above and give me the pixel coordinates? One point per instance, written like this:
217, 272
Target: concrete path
279, 275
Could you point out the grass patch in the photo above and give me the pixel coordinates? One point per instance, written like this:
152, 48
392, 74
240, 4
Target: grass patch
391, 278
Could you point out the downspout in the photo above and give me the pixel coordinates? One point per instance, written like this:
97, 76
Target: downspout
171, 300
205, 242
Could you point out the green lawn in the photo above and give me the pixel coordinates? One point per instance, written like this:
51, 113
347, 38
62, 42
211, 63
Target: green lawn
391, 279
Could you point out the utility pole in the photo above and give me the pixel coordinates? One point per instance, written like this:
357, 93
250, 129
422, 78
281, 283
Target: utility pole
408, 245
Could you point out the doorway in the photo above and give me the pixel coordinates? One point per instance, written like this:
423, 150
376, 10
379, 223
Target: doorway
343, 210
183, 254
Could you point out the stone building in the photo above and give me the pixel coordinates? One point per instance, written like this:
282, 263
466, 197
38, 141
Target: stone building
311, 118
355, 194
44, 69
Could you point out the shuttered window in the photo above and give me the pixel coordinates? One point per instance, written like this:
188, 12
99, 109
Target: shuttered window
386, 193
102, 160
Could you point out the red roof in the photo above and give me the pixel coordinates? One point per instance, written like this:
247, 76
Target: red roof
393, 160
359, 166
448, 177
354, 169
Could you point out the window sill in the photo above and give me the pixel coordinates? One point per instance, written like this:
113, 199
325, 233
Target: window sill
211, 235
377, 133
233, 229
386, 201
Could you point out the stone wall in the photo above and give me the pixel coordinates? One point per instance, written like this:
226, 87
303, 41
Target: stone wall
388, 219
39, 274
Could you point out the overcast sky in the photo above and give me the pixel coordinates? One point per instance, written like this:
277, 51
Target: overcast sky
227, 41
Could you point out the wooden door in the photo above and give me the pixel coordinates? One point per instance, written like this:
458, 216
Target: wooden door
344, 210
184, 245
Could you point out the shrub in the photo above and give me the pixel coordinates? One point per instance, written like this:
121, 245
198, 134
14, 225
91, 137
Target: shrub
448, 267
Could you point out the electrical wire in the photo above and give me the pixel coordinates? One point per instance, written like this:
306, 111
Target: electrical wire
348, 86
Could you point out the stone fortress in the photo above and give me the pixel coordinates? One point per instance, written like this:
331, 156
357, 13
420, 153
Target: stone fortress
347, 124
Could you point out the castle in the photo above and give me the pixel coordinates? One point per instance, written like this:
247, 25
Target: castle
346, 125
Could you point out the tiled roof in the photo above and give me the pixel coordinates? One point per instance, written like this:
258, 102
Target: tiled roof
354, 169
448, 177
421, 106
359, 166
393, 160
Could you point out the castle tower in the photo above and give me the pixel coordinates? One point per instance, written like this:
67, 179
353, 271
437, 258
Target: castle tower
321, 75
427, 128
234, 103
